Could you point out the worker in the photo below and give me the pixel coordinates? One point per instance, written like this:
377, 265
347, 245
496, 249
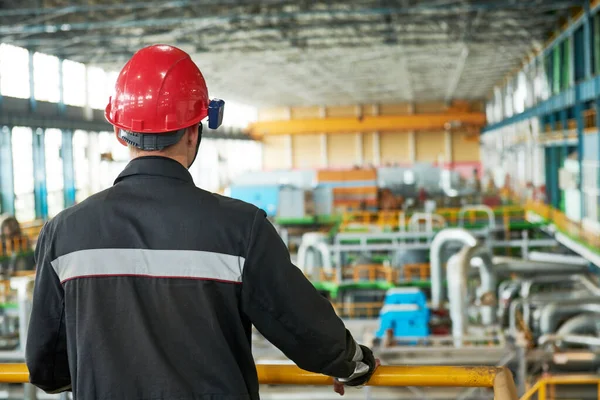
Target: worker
149, 289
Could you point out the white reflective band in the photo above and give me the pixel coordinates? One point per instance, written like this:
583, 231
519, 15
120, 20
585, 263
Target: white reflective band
188, 264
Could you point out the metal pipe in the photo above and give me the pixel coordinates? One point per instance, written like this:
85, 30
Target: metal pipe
498, 378
437, 245
573, 339
506, 266
584, 280
553, 313
458, 268
558, 258
314, 241
481, 258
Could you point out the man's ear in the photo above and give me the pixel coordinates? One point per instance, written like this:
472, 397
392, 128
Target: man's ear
124, 143
191, 134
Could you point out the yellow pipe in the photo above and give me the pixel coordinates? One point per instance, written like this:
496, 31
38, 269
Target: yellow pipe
394, 123
384, 376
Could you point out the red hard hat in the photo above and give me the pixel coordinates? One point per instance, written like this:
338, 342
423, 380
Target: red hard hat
159, 90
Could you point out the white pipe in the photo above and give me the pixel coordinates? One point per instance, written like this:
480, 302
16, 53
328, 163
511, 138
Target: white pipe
437, 245
457, 294
314, 241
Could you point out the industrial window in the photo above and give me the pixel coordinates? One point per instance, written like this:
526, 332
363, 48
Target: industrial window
74, 82
22, 150
54, 171
82, 165
520, 93
239, 115
14, 71
46, 82
97, 90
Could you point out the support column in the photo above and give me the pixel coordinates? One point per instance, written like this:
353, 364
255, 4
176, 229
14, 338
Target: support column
68, 167
93, 153
448, 149
376, 150
289, 151
39, 174
61, 88
376, 145
360, 159
564, 122
32, 101
580, 127
587, 40
597, 104
323, 138
412, 146
7, 189
289, 144
324, 149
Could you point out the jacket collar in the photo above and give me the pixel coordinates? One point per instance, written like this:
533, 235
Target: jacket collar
155, 166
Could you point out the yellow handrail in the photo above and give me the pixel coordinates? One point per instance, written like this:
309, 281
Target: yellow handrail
541, 386
500, 379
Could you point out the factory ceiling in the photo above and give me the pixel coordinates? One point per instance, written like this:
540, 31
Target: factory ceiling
303, 52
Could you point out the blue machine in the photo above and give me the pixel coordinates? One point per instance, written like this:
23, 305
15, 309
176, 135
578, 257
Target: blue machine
265, 197
405, 312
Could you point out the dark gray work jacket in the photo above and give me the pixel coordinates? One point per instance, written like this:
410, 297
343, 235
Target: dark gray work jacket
148, 290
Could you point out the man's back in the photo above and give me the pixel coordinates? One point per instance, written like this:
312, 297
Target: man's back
148, 291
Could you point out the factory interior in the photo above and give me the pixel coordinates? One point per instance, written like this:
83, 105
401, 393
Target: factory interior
433, 167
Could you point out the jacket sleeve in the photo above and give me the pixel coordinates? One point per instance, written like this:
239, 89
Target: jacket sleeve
46, 349
286, 308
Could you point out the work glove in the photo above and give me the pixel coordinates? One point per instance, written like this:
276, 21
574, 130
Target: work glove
365, 366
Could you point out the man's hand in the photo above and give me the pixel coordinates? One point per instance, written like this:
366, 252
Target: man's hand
339, 387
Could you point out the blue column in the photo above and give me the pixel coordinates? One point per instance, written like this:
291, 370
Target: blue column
68, 167
587, 40
32, 102
580, 126
552, 175
598, 127
7, 189
564, 122
552, 122
40, 191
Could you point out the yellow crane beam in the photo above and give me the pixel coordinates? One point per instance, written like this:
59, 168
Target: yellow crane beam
395, 123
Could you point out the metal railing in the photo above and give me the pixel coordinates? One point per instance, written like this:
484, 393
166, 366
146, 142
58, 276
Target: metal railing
498, 378
546, 386
399, 220
564, 224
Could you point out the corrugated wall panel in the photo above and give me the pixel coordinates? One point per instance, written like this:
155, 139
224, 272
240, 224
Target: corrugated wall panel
429, 146
306, 151
275, 152
368, 156
394, 147
464, 149
341, 150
